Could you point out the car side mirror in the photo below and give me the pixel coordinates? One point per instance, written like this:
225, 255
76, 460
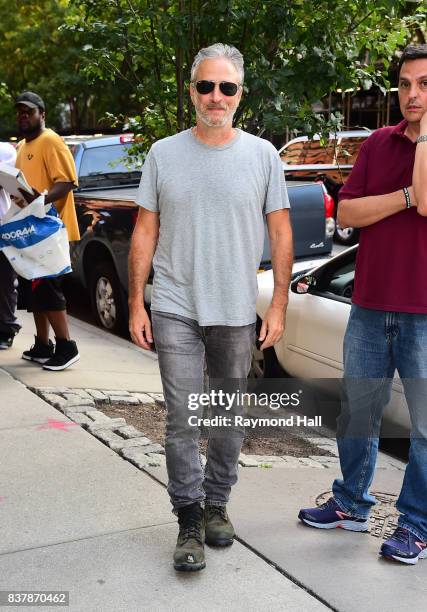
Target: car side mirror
303, 283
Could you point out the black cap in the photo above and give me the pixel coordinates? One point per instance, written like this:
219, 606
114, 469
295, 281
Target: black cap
30, 99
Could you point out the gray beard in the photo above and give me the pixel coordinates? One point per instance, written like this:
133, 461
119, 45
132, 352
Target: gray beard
209, 123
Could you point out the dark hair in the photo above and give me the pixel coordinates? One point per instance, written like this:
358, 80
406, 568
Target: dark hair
412, 52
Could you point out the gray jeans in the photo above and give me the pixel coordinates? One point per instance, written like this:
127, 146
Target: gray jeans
8, 297
182, 347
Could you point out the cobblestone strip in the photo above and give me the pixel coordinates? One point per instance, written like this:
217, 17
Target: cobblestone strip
80, 405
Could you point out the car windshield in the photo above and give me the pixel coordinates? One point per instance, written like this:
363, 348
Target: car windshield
108, 165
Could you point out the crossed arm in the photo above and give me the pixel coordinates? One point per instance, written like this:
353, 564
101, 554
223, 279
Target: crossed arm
361, 212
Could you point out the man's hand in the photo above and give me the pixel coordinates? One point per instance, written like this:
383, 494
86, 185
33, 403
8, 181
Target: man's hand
29, 197
20, 202
272, 327
140, 327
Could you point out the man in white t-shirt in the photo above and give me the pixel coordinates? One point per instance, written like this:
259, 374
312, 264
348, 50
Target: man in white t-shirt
8, 281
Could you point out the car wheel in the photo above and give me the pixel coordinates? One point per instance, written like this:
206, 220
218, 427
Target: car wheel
347, 236
107, 300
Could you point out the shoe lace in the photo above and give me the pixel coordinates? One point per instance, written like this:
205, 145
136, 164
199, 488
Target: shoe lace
328, 504
190, 529
217, 510
401, 535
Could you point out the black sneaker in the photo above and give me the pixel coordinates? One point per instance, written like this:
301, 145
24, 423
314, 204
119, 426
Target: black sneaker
6, 340
189, 555
66, 354
39, 352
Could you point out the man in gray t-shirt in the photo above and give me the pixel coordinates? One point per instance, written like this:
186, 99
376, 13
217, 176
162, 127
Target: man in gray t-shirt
203, 195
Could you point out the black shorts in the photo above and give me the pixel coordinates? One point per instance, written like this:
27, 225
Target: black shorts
42, 294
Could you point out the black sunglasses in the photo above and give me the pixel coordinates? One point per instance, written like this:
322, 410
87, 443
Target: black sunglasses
225, 87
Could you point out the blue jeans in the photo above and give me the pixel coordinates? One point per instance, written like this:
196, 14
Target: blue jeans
377, 343
182, 347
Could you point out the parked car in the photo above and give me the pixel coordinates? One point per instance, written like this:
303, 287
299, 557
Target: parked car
307, 159
107, 213
317, 315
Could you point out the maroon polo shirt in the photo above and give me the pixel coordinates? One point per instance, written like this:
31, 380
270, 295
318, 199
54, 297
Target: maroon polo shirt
391, 264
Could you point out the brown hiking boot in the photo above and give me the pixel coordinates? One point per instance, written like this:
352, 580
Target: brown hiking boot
219, 529
189, 555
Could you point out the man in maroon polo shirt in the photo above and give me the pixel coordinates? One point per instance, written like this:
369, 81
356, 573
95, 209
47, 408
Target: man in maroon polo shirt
386, 196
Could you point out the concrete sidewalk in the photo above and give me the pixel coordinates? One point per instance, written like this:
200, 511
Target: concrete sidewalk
107, 361
76, 516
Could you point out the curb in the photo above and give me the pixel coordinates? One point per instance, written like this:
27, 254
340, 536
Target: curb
80, 405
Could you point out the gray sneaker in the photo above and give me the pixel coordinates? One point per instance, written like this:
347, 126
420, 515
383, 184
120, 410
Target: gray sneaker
189, 555
219, 529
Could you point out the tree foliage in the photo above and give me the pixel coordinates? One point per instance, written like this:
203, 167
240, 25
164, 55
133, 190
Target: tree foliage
295, 53
131, 59
38, 54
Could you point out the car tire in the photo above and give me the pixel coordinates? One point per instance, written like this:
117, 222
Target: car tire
107, 298
264, 363
347, 236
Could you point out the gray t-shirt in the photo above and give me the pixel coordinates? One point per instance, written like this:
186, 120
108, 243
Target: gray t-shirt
211, 202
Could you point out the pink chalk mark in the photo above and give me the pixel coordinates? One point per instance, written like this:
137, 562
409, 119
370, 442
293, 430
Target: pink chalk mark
2, 499
52, 424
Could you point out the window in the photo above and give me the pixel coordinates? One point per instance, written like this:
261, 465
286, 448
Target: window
337, 281
106, 160
308, 152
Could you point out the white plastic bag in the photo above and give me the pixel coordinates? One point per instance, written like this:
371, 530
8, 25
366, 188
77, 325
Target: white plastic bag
35, 241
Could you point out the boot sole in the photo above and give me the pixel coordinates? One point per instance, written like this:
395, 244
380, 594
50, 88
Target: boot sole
62, 366
220, 543
187, 567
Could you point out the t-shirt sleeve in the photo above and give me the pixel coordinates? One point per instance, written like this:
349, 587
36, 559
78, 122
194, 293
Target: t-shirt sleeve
355, 186
60, 163
277, 194
147, 195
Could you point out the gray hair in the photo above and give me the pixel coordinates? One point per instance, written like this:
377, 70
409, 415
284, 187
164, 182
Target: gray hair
227, 52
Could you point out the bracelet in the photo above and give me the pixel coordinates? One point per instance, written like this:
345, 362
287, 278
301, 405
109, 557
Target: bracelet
422, 138
407, 197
